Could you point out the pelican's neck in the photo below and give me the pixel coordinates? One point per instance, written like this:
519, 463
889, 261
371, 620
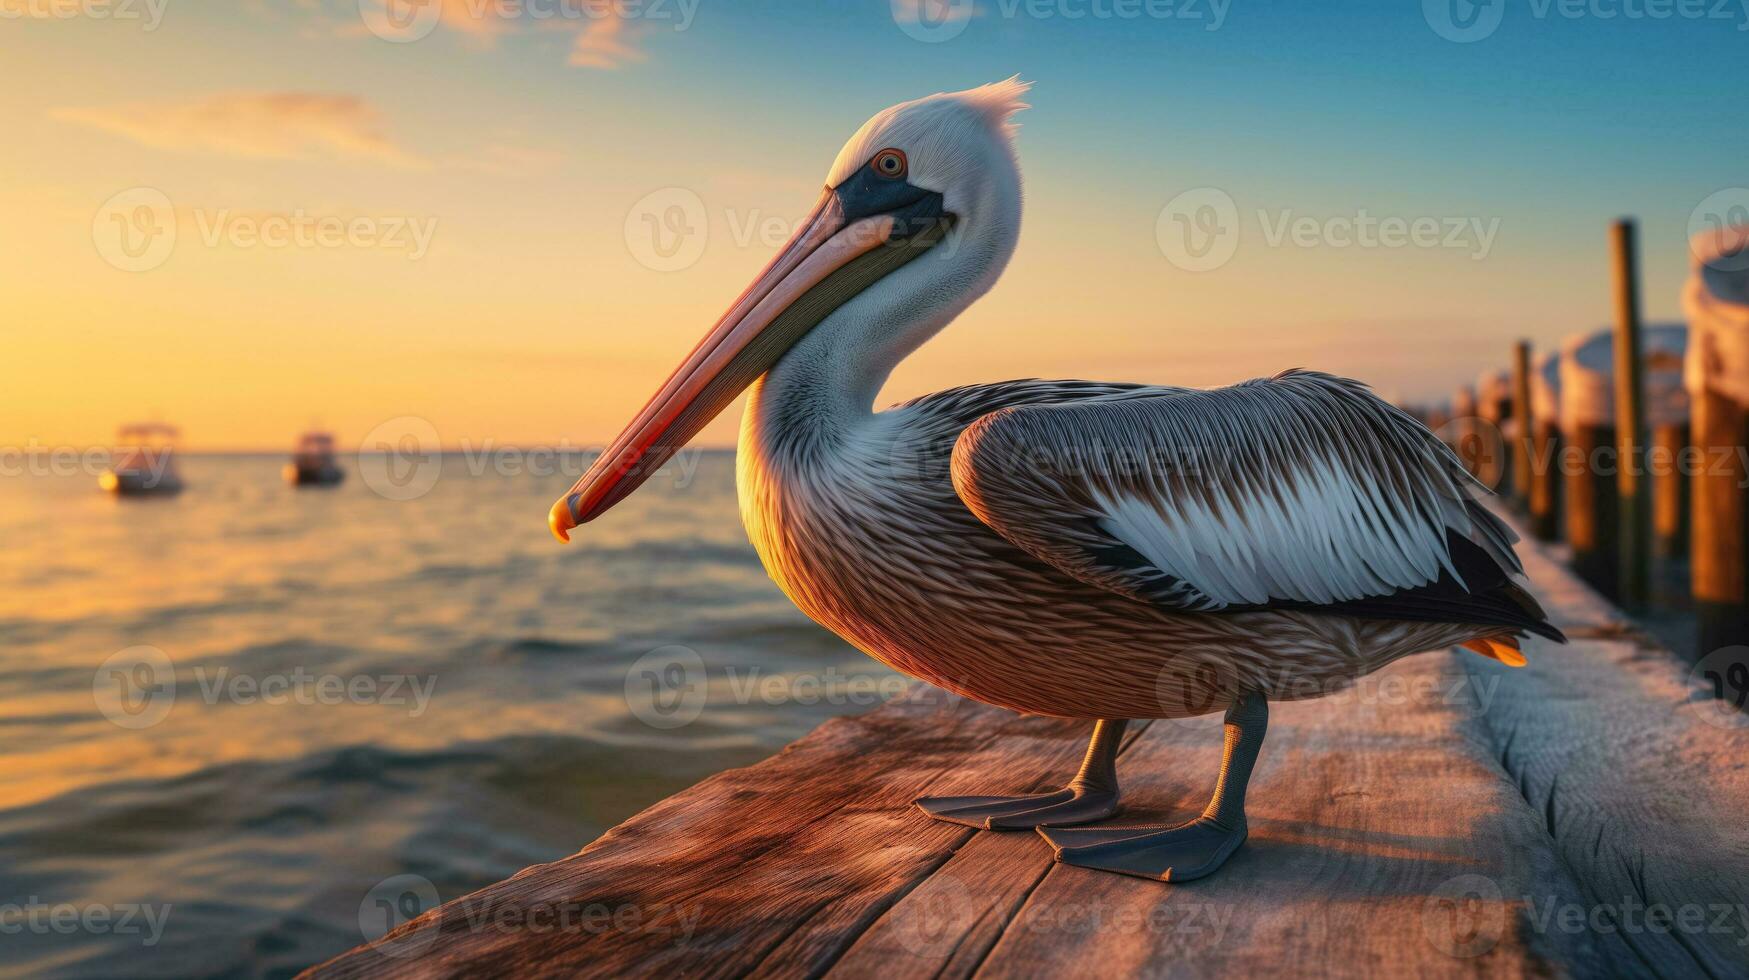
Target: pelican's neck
822, 391
829, 380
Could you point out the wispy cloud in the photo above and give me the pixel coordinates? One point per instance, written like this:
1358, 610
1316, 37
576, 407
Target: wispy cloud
606, 43
607, 31
273, 125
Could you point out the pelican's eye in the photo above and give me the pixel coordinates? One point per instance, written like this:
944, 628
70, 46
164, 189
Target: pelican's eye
889, 164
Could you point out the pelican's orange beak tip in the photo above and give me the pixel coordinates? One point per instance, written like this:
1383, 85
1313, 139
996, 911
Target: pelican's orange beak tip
563, 517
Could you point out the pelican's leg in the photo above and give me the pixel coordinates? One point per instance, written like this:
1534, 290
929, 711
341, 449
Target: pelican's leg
1090, 796
1189, 850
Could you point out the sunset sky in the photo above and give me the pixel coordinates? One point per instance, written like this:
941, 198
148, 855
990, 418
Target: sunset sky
487, 174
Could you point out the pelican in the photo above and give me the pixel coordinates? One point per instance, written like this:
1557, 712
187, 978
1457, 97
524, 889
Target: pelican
1075, 549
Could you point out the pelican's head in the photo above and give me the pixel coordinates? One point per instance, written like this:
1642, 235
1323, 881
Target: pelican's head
932, 178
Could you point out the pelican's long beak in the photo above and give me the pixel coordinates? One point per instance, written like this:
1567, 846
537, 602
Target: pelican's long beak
849, 241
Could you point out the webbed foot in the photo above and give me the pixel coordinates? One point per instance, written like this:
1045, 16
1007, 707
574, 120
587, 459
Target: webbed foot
1060, 809
1183, 853
1190, 850
1090, 796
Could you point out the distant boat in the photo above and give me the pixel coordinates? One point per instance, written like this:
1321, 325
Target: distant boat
145, 461
312, 463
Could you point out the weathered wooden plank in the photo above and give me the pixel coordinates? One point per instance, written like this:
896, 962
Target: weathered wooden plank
948, 925
778, 866
1373, 817
1641, 781
1446, 817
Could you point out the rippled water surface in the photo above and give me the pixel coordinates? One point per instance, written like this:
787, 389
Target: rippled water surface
357, 688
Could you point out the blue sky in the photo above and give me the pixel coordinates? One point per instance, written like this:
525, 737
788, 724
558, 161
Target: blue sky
530, 139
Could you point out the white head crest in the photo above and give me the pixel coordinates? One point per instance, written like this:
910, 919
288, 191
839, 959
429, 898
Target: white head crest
943, 135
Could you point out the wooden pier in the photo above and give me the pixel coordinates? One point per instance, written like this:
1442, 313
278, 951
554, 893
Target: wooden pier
1448, 816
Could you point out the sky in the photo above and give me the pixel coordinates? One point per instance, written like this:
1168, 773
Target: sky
511, 218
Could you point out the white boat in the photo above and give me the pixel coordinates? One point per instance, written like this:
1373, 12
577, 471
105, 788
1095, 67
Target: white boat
145, 461
312, 463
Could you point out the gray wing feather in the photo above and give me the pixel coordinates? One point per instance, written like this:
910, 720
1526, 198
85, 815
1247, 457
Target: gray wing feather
1301, 488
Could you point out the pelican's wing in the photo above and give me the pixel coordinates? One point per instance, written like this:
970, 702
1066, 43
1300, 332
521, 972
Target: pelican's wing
1298, 491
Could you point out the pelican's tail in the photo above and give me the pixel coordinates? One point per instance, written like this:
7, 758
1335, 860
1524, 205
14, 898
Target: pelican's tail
1503, 648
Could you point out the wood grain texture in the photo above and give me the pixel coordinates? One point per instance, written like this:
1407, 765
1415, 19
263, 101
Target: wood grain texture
1447, 816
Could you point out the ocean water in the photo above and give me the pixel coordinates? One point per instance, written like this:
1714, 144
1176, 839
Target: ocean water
228, 718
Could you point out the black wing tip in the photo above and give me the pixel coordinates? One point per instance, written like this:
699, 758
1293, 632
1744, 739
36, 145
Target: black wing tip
1536, 619
1548, 631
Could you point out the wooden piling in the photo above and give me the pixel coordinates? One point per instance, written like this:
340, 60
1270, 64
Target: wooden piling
1721, 522
1492, 428
1544, 495
1716, 300
1592, 503
1523, 451
1669, 455
1669, 465
1590, 492
1632, 487
1462, 433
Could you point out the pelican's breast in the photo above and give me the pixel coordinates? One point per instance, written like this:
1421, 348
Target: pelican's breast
861, 546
